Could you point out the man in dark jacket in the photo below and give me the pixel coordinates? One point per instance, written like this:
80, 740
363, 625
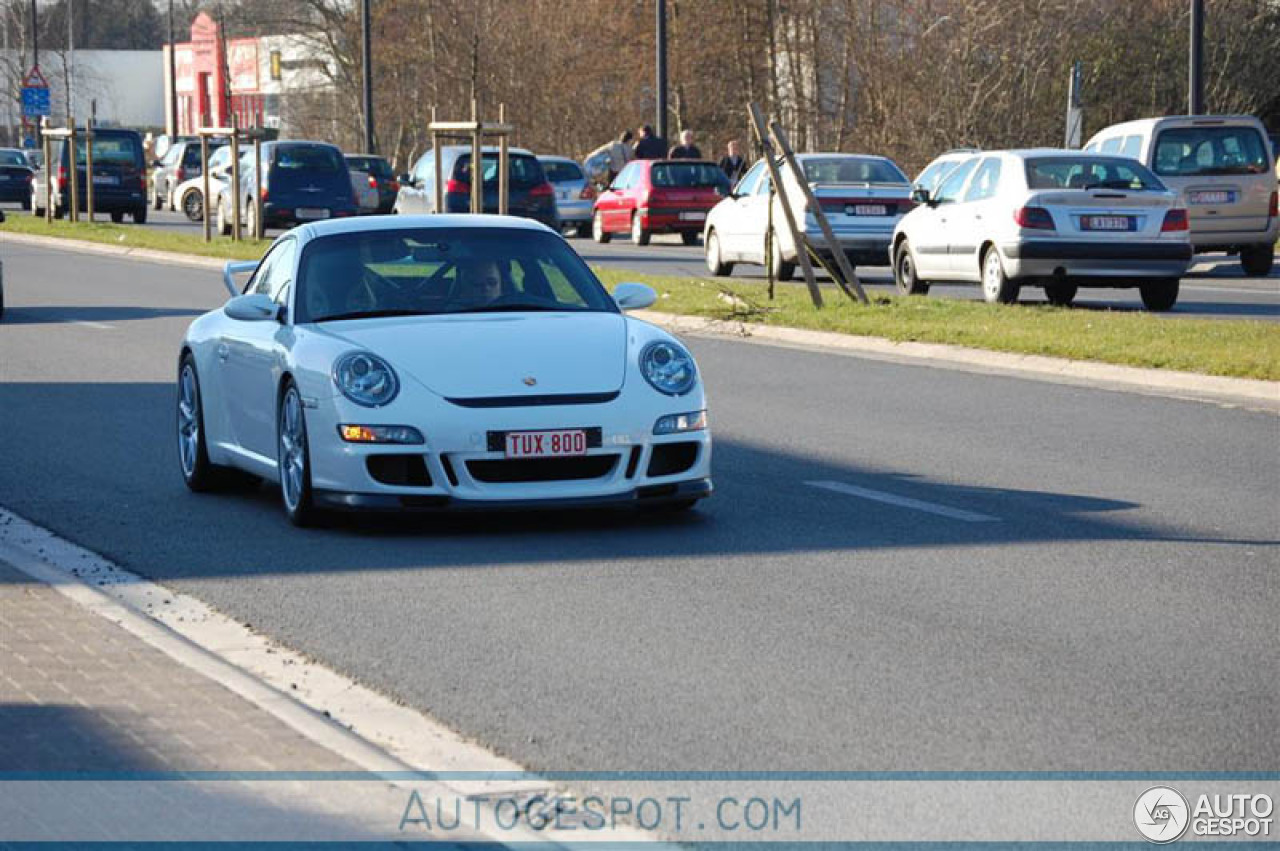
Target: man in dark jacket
649, 146
686, 150
732, 163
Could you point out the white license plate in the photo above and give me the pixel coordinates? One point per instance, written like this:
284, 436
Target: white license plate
105, 179
693, 216
546, 444
312, 213
866, 210
1211, 197
1105, 222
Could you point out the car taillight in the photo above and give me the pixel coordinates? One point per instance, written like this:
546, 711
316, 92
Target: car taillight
263, 193
373, 182
62, 173
1275, 205
1033, 218
457, 187
181, 174
588, 193
1175, 220
542, 190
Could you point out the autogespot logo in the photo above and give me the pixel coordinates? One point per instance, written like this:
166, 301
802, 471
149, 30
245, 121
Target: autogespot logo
1161, 814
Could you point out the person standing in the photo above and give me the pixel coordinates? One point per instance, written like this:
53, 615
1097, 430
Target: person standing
732, 163
620, 153
686, 150
649, 146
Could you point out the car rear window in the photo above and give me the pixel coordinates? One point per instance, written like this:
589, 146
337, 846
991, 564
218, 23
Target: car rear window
1086, 172
1205, 151
851, 170
523, 170
12, 158
110, 150
688, 175
558, 172
376, 166
191, 157
309, 158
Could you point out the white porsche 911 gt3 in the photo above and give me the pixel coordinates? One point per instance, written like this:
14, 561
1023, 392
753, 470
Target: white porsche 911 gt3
420, 362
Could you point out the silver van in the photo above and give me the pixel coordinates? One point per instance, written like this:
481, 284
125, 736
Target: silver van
1224, 170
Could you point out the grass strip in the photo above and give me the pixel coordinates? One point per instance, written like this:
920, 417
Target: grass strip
132, 236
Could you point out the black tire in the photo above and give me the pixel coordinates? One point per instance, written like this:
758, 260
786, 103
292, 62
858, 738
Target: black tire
997, 287
26, 203
193, 205
639, 235
58, 212
1159, 296
1060, 295
1257, 260
117, 216
904, 273
157, 202
140, 216
715, 264
583, 230
299, 507
198, 472
689, 238
598, 233
782, 270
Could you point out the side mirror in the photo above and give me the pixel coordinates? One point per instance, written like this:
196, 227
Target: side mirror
634, 296
406, 180
921, 195
253, 307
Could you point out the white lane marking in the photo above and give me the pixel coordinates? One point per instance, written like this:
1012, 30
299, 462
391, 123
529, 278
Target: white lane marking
101, 326
905, 502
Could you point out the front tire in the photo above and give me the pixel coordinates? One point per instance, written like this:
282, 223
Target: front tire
1159, 296
782, 269
193, 454
715, 262
117, 216
294, 459
689, 238
639, 235
1061, 295
193, 205
904, 273
140, 216
997, 288
1257, 260
598, 233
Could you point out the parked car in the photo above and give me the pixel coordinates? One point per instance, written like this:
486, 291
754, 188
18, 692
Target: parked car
1225, 172
119, 176
16, 175
862, 196
188, 196
424, 362
302, 182
378, 176
180, 162
659, 196
1055, 219
938, 169
574, 193
530, 193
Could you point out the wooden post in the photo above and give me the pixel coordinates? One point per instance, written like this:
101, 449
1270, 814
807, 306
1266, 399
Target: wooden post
802, 252
477, 162
72, 170
204, 165
235, 180
88, 168
437, 156
850, 277
258, 226
49, 169
504, 180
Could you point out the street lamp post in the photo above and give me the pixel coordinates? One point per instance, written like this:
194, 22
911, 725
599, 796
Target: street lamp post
661, 124
172, 126
366, 39
1195, 82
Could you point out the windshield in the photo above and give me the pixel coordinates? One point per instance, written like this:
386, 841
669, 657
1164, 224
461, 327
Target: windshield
1089, 172
522, 169
561, 172
115, 150
851, 170
376, 166
689, 175
311, 158
1205, 151
432, 271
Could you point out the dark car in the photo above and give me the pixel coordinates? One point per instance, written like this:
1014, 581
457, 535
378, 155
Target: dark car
15, 177
381, 178
179, 163
530, 194
119, 176
302, 182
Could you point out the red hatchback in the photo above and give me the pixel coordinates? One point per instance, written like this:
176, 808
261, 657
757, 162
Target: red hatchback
659, 196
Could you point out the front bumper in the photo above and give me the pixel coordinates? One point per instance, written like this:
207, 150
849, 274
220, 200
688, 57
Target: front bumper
862, 247
1093, 260
637, 498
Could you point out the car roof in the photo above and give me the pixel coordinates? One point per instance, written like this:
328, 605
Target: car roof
370, 224
484, 149
557, 158
1143, 124
364, 156
816, 154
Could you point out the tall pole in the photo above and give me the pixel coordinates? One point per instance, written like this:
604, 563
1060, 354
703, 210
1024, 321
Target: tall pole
1195, 83
366, 39
35, 38
661, 124
172, 125
71, 56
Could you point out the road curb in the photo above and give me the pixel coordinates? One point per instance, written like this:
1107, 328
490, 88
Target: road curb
1250, 393
1243, 392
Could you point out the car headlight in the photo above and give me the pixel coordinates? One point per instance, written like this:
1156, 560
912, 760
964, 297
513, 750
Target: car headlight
366, 379
668, 367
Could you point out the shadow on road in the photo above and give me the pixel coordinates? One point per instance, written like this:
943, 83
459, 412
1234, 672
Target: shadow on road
86, 313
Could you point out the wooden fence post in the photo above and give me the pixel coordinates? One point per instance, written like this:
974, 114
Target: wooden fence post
802, 245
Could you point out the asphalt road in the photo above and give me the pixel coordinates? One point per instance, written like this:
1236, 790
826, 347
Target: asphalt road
996, 573
1215, 288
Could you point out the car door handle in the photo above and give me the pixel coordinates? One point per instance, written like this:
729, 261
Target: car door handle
224, 352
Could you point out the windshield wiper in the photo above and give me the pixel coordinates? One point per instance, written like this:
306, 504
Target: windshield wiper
373, 314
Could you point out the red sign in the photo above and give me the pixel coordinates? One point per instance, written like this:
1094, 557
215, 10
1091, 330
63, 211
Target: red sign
34, 79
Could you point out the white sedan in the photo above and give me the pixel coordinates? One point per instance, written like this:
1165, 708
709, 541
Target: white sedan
1050, 218
422, 362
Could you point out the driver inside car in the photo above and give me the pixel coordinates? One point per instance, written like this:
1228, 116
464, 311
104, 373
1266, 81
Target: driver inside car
478, 282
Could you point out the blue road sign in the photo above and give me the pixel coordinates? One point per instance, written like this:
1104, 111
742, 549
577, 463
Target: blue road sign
35, 101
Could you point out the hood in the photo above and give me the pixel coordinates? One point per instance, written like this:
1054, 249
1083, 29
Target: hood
468, 356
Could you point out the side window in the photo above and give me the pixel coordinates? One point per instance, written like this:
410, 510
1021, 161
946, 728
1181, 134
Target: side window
950, 188
1111, 146
985, 181
423, 167
747, 185
627, 178
275, 271
765, 184
1132, 147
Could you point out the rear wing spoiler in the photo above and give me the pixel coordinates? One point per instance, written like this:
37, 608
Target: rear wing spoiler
233, 268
